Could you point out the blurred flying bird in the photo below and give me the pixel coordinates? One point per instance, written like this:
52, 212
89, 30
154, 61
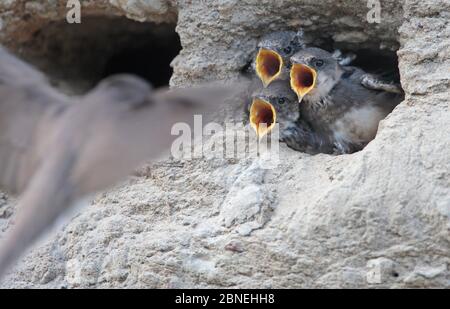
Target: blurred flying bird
55, 150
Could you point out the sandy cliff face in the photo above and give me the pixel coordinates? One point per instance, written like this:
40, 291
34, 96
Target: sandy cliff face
377, 218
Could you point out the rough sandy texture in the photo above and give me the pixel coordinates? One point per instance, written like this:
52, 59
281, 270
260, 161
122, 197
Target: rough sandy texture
377, 218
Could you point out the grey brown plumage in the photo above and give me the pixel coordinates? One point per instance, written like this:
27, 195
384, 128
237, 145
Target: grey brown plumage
280, 104
337, 107
272, 57
55, 150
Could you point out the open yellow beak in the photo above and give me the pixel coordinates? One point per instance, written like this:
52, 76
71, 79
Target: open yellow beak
262, 117
303, 79
268, 66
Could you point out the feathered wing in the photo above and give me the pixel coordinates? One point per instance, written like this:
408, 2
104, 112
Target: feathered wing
126, 137
15, 72
373, 82
48, 194
99, 141
301, 137
28, 106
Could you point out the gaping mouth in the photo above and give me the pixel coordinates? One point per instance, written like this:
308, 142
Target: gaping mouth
268, 66
262, 117
303, 79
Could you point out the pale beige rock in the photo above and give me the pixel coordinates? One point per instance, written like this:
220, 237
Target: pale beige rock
377, 218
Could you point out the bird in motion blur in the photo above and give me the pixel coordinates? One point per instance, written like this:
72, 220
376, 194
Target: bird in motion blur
56, 150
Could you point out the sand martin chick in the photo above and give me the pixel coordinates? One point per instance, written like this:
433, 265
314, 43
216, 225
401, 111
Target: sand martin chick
276, 104
336, 103
274, 51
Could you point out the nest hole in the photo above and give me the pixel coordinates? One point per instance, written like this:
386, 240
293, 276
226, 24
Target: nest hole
369, 56
380, 62
77, 56
372, 59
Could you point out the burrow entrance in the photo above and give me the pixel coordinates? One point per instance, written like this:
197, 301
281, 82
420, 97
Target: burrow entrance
383, 63
380, 62
77, 56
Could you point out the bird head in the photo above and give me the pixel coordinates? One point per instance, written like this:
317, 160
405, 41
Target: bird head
274, 49
129, 90
285, 43
314, 72
276, 104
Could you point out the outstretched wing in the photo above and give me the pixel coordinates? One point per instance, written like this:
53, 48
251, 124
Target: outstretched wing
372, 82
126, 137
15, 72
27, 106
99, 141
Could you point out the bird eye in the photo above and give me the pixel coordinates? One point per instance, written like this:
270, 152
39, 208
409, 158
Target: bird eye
287, 50
318, 63
281, 101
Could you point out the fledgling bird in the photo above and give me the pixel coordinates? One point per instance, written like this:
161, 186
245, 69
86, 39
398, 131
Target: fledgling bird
275, 104
279, 104
338, 106
274, 51
55, 150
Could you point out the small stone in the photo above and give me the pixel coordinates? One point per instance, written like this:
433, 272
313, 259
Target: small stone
380, 270
234, 246
430, 272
